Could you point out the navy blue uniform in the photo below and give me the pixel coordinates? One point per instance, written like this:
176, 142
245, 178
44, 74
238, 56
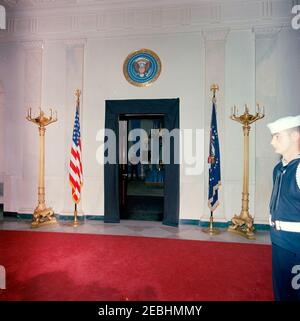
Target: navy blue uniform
285, 209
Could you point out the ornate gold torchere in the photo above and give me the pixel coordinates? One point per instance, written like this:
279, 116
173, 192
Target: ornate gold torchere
243, 224
42, 215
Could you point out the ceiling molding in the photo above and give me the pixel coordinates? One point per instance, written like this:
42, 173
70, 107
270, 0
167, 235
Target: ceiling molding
33, 45
266, 32
215, 35
76, 42
90, 18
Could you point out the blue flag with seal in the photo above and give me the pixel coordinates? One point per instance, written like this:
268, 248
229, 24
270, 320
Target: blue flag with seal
214, 161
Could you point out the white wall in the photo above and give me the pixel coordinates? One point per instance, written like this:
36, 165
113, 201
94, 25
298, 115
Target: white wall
239, 90
249, 64
277, 87
12, 78
1, 141
181, 76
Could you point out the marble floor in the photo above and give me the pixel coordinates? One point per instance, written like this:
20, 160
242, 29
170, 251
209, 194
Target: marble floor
135, 228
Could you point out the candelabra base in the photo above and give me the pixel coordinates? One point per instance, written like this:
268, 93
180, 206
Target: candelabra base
43, 217
242, 226
75, 223
211, 231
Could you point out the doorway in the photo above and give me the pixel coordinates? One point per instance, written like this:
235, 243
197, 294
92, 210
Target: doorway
165, 205
141, 181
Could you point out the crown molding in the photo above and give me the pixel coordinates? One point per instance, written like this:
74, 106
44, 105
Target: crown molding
48, 19
76, 42
266, 32
33, 45
215, 35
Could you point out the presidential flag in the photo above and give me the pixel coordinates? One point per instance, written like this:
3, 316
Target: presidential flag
75, 174
214, 162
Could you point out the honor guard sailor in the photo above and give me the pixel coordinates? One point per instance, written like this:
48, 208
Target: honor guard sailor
285, 209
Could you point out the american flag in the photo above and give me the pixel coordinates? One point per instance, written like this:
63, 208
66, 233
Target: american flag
75, 174
214, 161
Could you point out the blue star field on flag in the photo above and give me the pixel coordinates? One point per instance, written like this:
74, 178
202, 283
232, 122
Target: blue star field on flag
214, 161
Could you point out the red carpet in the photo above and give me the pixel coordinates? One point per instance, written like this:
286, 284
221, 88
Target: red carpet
64, 266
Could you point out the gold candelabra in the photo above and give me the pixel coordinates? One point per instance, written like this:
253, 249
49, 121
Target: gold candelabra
42, 215
243, 224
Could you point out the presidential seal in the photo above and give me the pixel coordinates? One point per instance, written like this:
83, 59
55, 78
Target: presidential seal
142, 67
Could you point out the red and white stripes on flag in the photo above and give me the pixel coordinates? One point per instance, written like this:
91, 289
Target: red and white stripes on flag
75, 174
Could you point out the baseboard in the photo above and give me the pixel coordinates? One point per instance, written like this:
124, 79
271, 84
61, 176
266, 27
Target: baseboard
261, 227
17, 215
258, 227
189, 221
95, 217
58, 216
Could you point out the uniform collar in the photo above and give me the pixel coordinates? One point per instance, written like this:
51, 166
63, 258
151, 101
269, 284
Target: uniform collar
284, 162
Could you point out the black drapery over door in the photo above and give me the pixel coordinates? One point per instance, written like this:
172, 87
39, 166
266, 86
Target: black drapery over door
169, 108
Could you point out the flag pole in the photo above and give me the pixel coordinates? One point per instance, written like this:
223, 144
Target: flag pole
211, 230
75, 222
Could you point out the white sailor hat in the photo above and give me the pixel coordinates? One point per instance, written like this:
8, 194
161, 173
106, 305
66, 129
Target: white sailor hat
284, 123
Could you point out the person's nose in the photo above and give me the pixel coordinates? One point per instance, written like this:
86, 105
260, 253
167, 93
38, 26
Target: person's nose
272, 141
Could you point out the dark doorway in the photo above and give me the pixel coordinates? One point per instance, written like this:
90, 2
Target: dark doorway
141, 184
165, 111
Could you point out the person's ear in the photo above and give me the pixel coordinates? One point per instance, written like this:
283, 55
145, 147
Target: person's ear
295, 135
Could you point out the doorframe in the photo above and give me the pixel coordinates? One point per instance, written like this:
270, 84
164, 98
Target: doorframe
170, 109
